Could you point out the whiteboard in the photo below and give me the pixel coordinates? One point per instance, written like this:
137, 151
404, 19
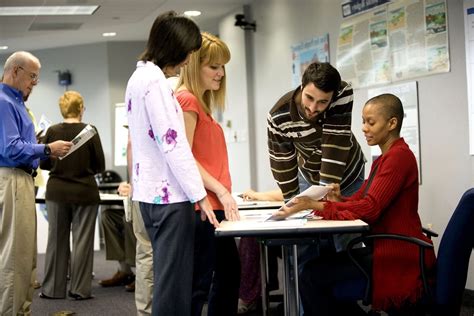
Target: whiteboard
408, 94
469, 38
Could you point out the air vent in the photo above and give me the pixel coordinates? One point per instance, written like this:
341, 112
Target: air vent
54, 26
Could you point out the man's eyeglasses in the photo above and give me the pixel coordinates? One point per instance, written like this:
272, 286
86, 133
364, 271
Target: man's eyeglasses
34, 77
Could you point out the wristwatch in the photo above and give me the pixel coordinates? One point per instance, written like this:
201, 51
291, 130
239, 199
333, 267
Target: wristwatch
47, 150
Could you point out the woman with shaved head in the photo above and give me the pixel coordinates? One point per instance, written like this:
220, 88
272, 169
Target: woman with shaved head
388, 202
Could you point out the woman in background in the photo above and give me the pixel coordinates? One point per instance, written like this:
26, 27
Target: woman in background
72, 201
201, 89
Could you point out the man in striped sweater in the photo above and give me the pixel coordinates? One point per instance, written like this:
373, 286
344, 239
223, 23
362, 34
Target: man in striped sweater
309, 135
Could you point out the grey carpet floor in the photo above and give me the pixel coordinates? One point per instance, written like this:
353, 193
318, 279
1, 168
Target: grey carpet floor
108, 301
115, 301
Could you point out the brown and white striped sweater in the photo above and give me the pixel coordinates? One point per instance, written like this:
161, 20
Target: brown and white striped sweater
323, 149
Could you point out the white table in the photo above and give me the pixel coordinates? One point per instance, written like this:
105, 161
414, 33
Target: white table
42, 223
289, 234
105, 199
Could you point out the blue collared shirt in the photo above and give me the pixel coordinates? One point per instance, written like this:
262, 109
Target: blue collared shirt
18, 146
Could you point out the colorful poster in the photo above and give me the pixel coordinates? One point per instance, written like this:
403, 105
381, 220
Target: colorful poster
436, 18
305, 53
351, 7
397, 41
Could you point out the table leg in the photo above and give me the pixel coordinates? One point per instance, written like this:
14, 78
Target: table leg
264, 278
290, 280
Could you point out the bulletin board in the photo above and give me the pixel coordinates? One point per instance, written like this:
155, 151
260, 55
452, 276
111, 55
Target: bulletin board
397, 41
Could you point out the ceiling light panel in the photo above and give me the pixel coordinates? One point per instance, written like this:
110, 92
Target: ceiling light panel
48, 10
192, 13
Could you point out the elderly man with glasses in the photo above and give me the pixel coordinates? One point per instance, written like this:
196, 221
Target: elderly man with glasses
19, 158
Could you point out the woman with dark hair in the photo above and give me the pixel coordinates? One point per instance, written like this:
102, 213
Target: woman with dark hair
165, 179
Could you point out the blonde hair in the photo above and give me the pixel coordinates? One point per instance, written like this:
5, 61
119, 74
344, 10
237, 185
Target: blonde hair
71, 104
212, 51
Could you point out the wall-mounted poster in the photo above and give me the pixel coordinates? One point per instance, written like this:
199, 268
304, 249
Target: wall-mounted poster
305, 53
351, 7
396, 41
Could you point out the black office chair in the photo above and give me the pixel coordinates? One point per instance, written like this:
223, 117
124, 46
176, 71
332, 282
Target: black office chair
108, 176
452, 264
453, 257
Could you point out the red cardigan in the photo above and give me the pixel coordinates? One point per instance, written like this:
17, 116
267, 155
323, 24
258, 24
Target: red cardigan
390, 206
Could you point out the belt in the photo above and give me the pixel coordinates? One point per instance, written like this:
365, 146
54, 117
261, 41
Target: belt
32, 172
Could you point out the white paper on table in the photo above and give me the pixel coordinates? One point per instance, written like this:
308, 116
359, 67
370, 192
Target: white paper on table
316, 192
245, 204
87, 133
252, 225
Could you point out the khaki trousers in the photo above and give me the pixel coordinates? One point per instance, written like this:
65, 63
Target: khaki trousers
120, 241
144, 263
17, 241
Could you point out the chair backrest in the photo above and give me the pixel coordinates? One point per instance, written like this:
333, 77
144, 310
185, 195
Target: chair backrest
108, 176
453, 257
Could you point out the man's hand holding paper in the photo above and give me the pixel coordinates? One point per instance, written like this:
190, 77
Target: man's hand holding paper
60, 148
87, 133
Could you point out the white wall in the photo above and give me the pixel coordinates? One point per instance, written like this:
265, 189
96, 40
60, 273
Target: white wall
447, 168
237, 109
99, 72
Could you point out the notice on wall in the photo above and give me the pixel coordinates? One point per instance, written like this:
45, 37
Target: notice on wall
408, 94
397, 41
307, 52
469, 38
352, 7
121, 135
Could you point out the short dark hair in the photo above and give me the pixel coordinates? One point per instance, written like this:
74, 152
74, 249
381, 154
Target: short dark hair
324, 76
390, 106
172, 38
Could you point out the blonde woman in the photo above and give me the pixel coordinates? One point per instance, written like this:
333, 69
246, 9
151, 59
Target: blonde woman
72, 200
201, 90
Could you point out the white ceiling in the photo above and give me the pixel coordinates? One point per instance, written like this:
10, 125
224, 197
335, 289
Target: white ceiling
131, 19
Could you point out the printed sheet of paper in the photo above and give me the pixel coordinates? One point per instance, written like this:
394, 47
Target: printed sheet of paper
251, 204
43, 124
87, 133
316, 192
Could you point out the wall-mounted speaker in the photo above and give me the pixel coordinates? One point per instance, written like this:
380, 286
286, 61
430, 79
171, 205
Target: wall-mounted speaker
64, 78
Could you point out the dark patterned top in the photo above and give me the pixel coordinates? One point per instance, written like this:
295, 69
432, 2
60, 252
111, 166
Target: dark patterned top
323, 149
